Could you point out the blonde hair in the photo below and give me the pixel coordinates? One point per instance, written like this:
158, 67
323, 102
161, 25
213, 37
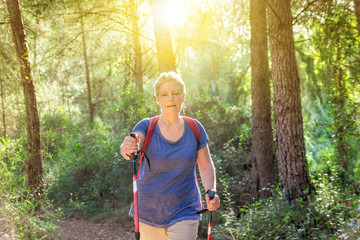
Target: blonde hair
169, 77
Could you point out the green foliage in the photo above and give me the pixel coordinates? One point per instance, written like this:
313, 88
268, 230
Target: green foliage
331, 77
53, 128
233, 167
132, 107
87, 175
22, 214
327, 128
216, 117
329, 213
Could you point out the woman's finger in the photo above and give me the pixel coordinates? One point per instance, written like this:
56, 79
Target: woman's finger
128, 147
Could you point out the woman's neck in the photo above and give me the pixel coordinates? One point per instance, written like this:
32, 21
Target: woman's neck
170, 120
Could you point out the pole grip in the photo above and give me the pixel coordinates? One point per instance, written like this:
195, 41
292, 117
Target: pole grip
211, 193
134, 155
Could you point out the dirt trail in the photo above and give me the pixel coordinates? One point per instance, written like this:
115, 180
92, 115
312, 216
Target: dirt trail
81, 229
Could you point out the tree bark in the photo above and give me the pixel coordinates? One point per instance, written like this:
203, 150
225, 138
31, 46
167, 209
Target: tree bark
340, 133
3, 106
263, 170
35, 160
290, 146
87, 72
166, 58
128, 70
357, 13
138, 72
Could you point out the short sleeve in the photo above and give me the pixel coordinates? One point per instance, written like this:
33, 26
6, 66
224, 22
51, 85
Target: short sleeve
142, 126
204, 137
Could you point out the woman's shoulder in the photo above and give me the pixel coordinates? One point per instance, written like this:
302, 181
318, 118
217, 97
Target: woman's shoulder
204, 139
198, 123
148, 120
144, 123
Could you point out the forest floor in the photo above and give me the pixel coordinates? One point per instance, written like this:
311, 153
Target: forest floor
82, 229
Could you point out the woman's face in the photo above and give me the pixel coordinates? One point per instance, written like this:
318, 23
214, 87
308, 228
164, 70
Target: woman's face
170, 97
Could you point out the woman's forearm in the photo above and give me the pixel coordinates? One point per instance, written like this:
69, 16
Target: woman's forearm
208, 177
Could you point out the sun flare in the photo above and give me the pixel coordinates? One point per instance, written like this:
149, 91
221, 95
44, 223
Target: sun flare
177, 11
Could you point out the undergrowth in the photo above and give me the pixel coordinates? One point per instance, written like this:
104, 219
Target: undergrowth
331, 213
22, 216
87, 175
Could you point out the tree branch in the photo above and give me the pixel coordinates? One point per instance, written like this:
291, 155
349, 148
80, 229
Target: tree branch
295, 19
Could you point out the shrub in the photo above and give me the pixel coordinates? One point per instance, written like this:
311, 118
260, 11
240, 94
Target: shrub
88, 175
217, 119
325, 216
22, 216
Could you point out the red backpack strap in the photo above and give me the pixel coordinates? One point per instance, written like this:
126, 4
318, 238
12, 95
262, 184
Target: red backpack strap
150, 132
196, 131
194, 128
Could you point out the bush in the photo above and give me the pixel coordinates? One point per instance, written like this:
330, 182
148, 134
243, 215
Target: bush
87, 175
22, 215
332, 211
217, 119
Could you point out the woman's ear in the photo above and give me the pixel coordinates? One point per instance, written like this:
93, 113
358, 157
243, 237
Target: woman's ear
183, 97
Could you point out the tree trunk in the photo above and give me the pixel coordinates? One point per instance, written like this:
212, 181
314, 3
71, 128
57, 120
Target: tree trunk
166, 58
290, 146
138, 72
127, 70
357, 13
3, 105
340, 133
263, 170
35, 160
34, 62
87, 72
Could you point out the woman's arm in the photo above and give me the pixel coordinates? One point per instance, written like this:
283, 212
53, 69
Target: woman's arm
207, 173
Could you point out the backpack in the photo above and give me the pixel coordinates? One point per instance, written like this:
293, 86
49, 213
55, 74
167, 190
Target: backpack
153, 121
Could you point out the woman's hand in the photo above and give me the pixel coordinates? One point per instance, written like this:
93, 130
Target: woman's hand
212, 204
129, 146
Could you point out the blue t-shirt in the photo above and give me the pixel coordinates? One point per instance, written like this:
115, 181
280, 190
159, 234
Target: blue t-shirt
169, 192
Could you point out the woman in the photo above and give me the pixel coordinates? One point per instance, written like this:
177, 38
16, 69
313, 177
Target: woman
169, 196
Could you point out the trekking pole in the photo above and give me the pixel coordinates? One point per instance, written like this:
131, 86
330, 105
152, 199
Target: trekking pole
135, 191
211, 196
